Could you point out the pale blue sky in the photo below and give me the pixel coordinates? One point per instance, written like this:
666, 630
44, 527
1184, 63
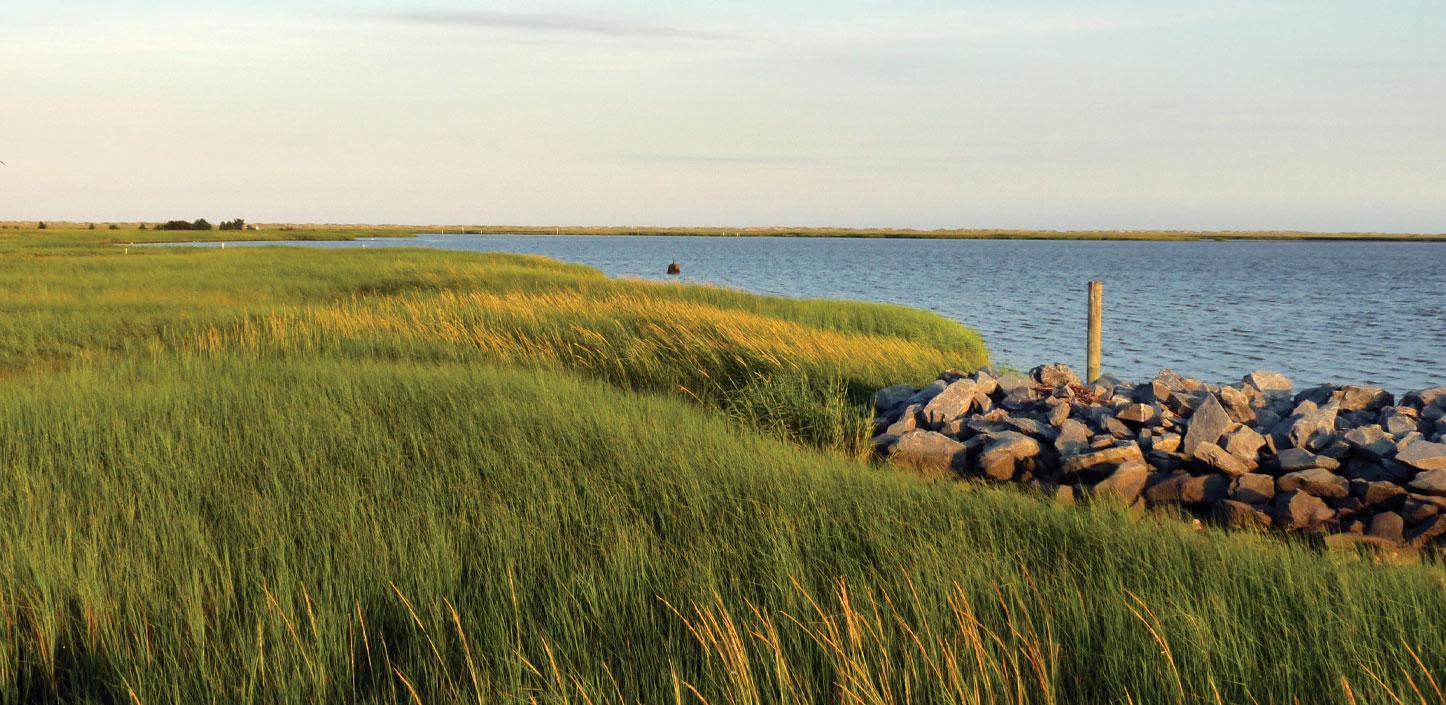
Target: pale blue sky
1320, 115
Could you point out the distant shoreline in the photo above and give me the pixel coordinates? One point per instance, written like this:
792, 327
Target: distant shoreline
300, 231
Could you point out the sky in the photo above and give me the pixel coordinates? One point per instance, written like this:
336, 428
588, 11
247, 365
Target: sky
1311, 115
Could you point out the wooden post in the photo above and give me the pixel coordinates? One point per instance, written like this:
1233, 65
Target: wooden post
1097, 306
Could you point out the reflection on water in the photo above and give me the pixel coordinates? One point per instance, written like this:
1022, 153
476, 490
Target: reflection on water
1318, 311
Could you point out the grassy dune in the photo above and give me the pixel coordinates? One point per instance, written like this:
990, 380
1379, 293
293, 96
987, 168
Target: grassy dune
422, 477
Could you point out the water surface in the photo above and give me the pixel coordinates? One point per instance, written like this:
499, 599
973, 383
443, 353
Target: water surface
1358, 312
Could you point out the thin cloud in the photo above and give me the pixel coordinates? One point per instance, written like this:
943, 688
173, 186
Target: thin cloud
718, 159
562, 24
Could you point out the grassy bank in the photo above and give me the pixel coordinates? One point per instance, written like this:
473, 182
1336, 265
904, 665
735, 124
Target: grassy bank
410, 476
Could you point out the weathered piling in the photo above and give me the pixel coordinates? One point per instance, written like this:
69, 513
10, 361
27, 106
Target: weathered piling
1096, 320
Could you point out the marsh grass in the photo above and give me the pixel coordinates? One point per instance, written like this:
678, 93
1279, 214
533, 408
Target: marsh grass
414, 477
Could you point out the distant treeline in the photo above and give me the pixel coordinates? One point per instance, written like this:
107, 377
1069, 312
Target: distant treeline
201, 224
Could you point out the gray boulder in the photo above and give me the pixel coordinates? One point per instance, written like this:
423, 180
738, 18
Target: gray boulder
1380, 494
1296, 511
1216, 458
1166, 443
1354, 398
1317, 481
1371, 440
1137, 413
893, 397
1268, 381
1244, 443
1239, 515
1399, 421
1207, 425
1310, 429
1054, 375
929, 452
1430, 482
1424, 455
1427, 531
1115, 455
1187, 489
1388, 526
1124, 484
951, 403
1237, 404
1435, 396
1032, 427
1003, 451
1074, 438
1296, 459
1253, 488
907, 421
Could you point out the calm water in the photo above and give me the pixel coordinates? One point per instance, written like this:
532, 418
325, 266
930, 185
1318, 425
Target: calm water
1317, 311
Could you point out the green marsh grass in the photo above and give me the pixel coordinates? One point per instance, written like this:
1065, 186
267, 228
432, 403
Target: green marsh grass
290, 476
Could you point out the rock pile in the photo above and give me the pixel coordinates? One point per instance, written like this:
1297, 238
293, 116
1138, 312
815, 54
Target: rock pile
1350, 461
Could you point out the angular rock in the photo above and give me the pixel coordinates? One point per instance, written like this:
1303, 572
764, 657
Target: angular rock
1430, 482
982, 401
908, 421
1268, 381
1296, 459
1019, 399
1172, 381
1317, 395
1074, 438
1032, 427
1186, 403
1372, 440
1317, 481
1354, 398
985, 382
1124, 484
1237, 404
1313, 428
1054, 376
1296, 510
1115, 455
1435, 396
1346, 507
1137, 413
1209, 423
1187, 489
1116, 428
1399, 421
1427, 531
928, 451
1166, 443
952, 403
1000, 456
1239, 515
1217, 458
1058, 414
1383, 495
1424, 455
1244, 443
1167, 462
1253, 488
1415, 510
928, 392
1388, 526
893, 397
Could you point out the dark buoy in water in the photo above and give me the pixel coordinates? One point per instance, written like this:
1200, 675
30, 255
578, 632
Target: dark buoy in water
674, 268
